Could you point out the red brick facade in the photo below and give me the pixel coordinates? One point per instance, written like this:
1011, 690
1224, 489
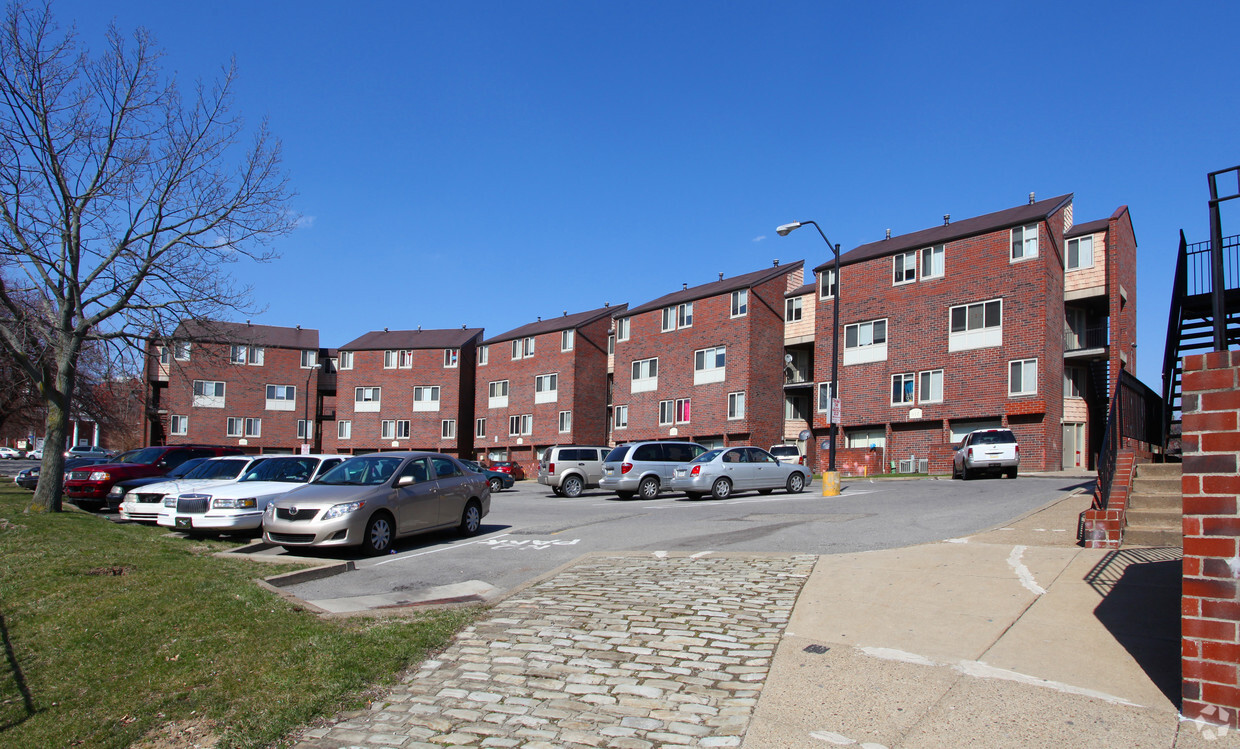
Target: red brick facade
1211, 488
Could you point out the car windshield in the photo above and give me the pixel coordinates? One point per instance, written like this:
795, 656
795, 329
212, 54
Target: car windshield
994, 438
188, 470
219, 469
789, 451
288, 470
364, 471
145, 456
707, 456
617, 454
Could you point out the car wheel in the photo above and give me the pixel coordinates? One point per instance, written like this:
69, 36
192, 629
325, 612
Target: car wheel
471, 518
955, 473
624, 495
796, 482
965, 474
496, 484
722, 489
765, 491
1011, 473
379, 531
572, 486
557, 491
648, 488
693, 495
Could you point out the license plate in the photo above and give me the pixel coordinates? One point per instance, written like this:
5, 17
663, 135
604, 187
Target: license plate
185, 522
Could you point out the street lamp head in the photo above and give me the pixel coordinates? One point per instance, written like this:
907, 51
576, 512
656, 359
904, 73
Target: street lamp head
784, 230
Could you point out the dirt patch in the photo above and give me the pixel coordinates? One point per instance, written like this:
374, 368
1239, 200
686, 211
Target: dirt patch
115, 570
198, 733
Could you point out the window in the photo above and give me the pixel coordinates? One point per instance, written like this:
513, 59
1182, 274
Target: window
165, 355
740, 303
237, 355
622, 417
611, 343
344, 429
389, 359
977, 325
483, 353
796, 408
208, 394
523, 424
522, 348
178, 425
622, 329
567, 339
426, 398
679, 316
902, 389
497, 394
309, 359
736, 405
904, 268
825, 393
180, 350
447, 429
387, 428
1024, 242
366, 399
1073, 382
930, 386
254, 427
566, 421
246, 355
932, 262
1023, 377
676, 411
1080, 253
234, 427
451, 358
281, 392
480, 427
709, 365
667, 412
682, 410
645, 375
792, 309
865, 342
402, 429
828, 284
546, 388
304, 430
346, 360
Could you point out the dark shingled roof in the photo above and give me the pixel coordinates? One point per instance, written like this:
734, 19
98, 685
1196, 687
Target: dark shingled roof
216, 331
808, 288
951, 232
716, 288
381, 340
552, 324
1089, 227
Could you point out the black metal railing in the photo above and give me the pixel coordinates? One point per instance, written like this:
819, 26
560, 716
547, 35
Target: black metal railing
1136, 415
1091, 337
1198, 276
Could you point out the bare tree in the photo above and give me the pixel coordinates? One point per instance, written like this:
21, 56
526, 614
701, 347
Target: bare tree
119, 203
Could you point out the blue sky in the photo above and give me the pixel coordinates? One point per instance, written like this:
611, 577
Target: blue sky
484, 164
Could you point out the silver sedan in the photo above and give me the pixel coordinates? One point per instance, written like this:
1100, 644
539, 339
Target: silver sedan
726, 470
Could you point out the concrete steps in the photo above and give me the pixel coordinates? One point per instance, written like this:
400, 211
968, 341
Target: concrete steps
1155, 507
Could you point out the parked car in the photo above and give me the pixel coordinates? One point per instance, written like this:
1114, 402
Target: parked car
571, 469
645, 468
29, 477
498, 480
371, 500
89, 451
238, 505
89, 489
140, 500
35, 454
10, 453
510, 467
987, 451
790, 454
724, 471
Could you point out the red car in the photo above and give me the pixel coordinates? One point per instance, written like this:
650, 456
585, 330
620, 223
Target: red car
509, 467
88, 486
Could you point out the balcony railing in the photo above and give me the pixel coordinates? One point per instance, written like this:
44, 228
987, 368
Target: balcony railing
1092, 337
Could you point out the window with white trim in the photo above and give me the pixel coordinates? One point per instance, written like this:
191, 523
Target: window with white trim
237, 354
736, 405
611, 343
865, 342
740, 303
622, 328
484, 352
451, 358
1024, 242
165, 355
208, 394
667, 412
932, 262
304, 429
828, 284
180, 350
710, 365
387, 429
447, 429
793, 309
309, 359
621, 418
367, 399
178, 425
402, 429
1080, 253
546, 388
497, 394
480, 427
645, 375
253, 427
426, 398
522, 348
1023, 377
930, 386
567, 339
234, 427
902, 389
682, 410
904, 268
825, 392
978, 325
281, 392
679, 316
344, 429
566, 421
518, 425
346, 360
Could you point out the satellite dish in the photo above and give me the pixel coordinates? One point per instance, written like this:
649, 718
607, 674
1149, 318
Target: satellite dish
805, 435
787, 358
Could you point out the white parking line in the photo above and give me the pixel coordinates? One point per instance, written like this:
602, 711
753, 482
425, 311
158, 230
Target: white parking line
400, 557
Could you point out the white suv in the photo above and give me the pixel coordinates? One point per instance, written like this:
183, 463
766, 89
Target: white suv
789, 454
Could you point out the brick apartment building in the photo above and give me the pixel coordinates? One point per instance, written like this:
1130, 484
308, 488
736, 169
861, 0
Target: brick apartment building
543, 384
405, 390
237, 384
1017, 318
705, 363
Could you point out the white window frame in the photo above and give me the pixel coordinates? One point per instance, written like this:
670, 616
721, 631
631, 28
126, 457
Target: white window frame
523, 424
281, 398
903, 268
684, 410
547, 388
344, 429
389, 359
933, 262
645, 375
1024, 243
451, 358
426, 398
824, 404
213, 399
303, 429
568, 339
178, 420
620, 417
234, 426
497, 394
611, 344
484, 353
907, 383
346, 360
866, 347
447, 429
706, 366
253, 427
667, 413
974, 336
736, 405
677, 316
623, 328
794, 309
309, 358
480, 427
402, 429
932, 380
387, 429
367, 399
740, 303
828, 289
1024, 365
1074, 245
566, 421
181, 350
238, 354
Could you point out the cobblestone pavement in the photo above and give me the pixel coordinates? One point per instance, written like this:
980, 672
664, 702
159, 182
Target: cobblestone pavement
618, 651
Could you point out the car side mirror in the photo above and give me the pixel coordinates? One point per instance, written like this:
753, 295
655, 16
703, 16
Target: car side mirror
404, 481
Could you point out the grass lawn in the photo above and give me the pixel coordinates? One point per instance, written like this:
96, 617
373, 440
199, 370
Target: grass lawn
111, 632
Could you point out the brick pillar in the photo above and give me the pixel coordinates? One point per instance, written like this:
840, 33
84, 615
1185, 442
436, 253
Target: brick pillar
1210, 611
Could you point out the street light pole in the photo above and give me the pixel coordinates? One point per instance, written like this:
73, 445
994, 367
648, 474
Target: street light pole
305, 410
783, 231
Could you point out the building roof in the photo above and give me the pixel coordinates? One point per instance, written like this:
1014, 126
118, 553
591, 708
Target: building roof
382, 340
951, 232
1088, 227
272, 336
552, 324
808, 288
715, 288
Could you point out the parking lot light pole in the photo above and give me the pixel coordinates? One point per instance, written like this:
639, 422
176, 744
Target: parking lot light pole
830, 479
305, 410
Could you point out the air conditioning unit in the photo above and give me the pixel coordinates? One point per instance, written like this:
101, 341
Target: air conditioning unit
923, 465
906, 466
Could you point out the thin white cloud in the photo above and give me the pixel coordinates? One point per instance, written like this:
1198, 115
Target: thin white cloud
305, 222
759, 238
